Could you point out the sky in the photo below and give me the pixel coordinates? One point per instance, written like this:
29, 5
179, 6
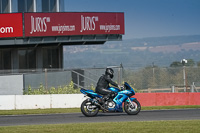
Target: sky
147, 18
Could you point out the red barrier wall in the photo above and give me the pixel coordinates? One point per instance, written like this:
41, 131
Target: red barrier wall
168, 99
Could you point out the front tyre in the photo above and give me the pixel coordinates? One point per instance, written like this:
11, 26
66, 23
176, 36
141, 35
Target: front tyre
132, 108
89, 109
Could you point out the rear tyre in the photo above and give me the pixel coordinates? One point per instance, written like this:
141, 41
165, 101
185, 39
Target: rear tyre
132, 108
89, 109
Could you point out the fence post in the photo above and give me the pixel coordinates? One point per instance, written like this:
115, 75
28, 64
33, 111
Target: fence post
78, 80
119, 76
173, 88
120, 69
119, 82
149, 90
191, 88
45, 70
184, 79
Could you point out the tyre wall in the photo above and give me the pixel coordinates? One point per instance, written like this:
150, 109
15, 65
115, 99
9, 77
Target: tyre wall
168, 99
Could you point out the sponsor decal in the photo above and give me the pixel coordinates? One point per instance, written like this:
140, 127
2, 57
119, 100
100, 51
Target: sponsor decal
108, 28
88, 23
61, 24
10, 27
62, 28
6, 30
39, 24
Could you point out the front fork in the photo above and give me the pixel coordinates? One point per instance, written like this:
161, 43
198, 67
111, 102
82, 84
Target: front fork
130, 101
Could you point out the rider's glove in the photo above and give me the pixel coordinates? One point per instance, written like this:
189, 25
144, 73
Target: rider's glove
121, 87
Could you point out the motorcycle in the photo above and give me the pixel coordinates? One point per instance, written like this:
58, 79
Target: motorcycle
115, 103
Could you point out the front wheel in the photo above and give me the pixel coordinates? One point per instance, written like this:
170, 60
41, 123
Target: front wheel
132, 108
89, 109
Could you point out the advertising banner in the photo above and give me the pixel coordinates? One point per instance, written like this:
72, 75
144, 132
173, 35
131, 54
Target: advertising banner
60, 24
11, 25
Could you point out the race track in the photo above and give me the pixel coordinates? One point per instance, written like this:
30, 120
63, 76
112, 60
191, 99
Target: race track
156, 115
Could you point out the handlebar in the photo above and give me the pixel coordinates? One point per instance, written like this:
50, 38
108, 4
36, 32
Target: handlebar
121, 88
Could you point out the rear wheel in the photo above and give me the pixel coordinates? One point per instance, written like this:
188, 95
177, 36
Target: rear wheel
132, 108
89, 109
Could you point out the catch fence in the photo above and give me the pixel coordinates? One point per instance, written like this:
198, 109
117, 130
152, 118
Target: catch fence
155, 79
148, 79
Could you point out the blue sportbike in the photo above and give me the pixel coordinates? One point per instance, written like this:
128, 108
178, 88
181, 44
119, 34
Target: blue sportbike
118, 99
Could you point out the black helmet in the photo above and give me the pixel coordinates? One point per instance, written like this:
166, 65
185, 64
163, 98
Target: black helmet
109, 71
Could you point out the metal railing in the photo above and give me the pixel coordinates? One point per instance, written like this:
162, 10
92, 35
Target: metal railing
82, 78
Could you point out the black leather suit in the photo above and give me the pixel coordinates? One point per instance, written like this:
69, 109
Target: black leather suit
103, 85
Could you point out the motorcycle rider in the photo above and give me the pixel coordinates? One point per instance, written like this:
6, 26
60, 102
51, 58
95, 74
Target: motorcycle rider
103, 84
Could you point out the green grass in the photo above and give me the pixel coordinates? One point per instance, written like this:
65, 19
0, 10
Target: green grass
39, 111
187, 126
75, 110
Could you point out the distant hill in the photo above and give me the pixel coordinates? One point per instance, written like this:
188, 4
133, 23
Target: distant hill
134, 53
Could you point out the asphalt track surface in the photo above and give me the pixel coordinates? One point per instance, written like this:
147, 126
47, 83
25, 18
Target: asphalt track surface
156, 115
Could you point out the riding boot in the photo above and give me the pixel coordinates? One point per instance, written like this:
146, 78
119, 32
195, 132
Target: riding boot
101, 101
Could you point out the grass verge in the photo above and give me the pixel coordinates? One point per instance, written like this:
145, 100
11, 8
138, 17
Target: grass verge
186, 126
76, 110
39, 111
